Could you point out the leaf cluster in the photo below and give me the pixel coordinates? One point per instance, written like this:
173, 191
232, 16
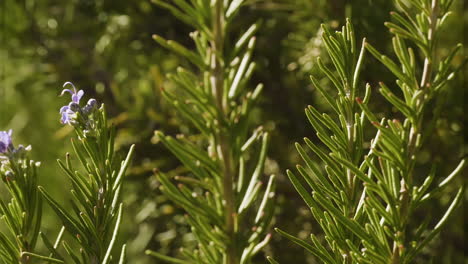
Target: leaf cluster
228, 207
22, 215
96, 214
364, 202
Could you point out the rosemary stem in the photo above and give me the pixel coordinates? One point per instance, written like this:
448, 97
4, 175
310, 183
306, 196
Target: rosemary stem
406, 185
224, 146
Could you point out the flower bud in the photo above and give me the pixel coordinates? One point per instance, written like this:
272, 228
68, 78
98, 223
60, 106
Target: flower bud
92, 103
9, 175
74, 107
90, 107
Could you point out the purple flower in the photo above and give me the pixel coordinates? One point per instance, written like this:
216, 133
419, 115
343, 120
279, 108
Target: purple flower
5, 141
70, 111
75, 95
67, 115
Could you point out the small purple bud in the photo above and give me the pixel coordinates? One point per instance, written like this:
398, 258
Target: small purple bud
74, 107
3, 147
5, 141
92, 102
90, 106
20, 149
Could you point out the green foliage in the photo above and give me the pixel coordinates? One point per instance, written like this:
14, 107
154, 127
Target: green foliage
23, 214
364, 202
228, 210
107, 47
95, 220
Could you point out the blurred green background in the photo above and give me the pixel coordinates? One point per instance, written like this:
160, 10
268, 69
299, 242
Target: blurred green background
105, 48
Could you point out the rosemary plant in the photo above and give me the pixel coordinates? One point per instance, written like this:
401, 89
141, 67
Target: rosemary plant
227, 206
23, 214
365, 201
96, 216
